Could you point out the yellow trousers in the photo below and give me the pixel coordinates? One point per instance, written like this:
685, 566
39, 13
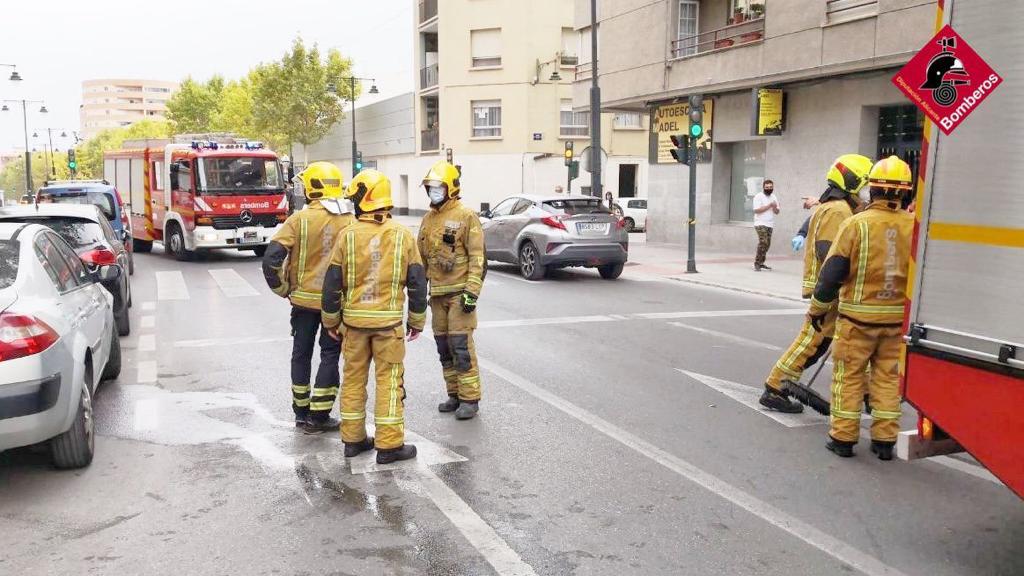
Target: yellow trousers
857, 347
453, 332
809, 346
387, 351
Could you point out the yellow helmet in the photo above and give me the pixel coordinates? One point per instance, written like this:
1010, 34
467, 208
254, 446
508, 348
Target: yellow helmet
369, 191
321, 180
891, 173
850, 172
444, 173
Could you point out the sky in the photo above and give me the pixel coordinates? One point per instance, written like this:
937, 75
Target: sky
56, 44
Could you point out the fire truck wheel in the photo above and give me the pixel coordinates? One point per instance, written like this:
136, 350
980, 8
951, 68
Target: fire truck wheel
142, 246
175, 244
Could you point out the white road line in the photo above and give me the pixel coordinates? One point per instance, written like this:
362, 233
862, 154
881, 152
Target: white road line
170, 285
722, 313
146, 372
148, 306
231, 283
774, 516
230, 341
729, 337
148, 321
960, 465
543, 321
508, 276
147, 343
748, 396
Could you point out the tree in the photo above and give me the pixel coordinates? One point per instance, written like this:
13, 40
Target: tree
12, 177
90, 154
193, 107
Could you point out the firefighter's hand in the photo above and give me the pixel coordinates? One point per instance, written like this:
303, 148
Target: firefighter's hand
798, 242
413, 334
333, 333
816, 321
468, 303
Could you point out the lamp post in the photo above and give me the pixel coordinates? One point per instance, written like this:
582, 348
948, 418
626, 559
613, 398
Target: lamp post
24, 116
352, 98
595, 108
15, 77
53, 162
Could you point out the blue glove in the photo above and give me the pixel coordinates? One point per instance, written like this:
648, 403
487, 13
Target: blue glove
798, 242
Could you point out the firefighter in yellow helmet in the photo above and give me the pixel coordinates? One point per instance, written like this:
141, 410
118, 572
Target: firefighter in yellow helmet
375, 262
294, 267
451, 241
845, 178
866, 270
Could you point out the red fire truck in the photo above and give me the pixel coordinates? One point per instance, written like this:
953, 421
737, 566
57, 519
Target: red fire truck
199, 192
964, 367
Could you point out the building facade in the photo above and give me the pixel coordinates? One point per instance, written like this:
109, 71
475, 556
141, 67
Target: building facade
115, 103
788, 86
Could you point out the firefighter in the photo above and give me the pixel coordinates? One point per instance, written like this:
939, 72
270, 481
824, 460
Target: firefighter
451, 241
866, 269
294, 267
845, 178
375, 261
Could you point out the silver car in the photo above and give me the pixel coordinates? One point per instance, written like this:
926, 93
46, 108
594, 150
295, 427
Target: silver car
58, 340
540, 233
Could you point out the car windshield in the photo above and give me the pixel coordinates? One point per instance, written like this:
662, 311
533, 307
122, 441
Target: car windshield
8, 262
77, 232
232, 175
575, 206
95, 197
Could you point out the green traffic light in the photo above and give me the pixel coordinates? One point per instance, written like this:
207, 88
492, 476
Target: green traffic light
72, 165
696, 130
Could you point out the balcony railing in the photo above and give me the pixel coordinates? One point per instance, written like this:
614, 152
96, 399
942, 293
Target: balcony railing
845, 10
428, 9
584, 70
430, 140
727, 37
428, 77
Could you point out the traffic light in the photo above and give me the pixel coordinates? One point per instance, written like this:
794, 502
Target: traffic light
681, 148
72, 163
696, 116
448, 155
569, 153
359, 161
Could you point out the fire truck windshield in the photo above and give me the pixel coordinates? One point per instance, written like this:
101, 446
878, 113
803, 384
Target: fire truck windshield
241, 174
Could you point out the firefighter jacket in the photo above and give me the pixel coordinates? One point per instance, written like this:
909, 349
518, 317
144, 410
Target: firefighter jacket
296, 260
866, 268
374, 261
821, 233
451, 241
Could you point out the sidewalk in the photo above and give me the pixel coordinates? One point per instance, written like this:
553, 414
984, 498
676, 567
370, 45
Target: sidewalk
732, 271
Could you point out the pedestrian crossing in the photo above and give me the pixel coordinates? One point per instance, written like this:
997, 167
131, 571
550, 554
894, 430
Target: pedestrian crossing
171, 284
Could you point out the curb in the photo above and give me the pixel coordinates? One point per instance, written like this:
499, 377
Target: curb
736, 289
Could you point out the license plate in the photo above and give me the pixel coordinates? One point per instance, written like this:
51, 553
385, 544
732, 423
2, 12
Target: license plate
249, 237
592, 228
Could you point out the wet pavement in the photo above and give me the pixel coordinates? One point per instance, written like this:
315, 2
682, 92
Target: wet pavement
616, 436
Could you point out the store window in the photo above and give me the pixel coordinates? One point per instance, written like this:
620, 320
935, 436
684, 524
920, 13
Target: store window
747, 176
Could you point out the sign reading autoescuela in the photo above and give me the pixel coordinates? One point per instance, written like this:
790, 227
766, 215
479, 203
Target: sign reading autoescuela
672, 119
947, 79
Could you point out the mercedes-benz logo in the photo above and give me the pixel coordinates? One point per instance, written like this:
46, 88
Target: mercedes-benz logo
245, 216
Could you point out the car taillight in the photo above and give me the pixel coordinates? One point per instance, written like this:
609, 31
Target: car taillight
554, 222
23, 335
621, 223
99, 257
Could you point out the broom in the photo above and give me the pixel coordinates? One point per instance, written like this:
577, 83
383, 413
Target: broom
806, 395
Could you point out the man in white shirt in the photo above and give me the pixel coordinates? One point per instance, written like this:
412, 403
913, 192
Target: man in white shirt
766, 206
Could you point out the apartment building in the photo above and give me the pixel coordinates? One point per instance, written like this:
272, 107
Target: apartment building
788, 85
114, 103
494, 85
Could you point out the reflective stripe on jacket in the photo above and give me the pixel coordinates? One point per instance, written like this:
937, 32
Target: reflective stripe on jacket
823, 227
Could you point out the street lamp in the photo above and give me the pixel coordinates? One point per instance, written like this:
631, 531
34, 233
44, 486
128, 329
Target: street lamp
28, 152
352, 97
15, 77
53, 161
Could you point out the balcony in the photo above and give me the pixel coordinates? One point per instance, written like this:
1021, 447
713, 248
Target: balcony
584, 70
428, 77
430, 140
428, 11
846, 10
733, 35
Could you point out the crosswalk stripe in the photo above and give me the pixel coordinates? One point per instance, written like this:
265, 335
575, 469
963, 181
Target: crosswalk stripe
231, 283
170, 285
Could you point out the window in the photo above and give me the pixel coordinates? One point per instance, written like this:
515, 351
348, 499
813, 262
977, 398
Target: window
485, 46
570, 47
638, 204
86, 197
486, 118
55, 264
77, 268
504, 208
521, 207
747, 176
575, 206
689, 11
585, 53
8, 262
573, 124
628, 121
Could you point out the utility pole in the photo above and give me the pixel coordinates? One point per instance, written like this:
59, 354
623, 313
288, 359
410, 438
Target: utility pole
595, 108
352, 98
696, 131
28, 151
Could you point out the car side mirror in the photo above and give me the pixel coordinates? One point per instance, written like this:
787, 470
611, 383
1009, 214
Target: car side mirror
108, 273
485, 214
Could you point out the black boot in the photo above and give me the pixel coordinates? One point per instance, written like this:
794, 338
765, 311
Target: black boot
449, 405
317, 425
840, 448
467, 410
882, 449
301, 419
779, 400
353, 449
406, 452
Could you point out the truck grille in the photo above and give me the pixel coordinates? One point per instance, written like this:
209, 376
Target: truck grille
232, 222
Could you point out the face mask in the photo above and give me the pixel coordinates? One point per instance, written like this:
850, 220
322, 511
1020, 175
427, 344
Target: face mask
768, 191
437, 194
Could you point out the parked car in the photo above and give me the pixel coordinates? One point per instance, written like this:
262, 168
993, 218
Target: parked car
86, 230
100, 193
57, 342
634, 212
540, 233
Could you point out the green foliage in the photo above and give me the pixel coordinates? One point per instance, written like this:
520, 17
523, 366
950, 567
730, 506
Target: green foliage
90, 154
193, 107
12, 177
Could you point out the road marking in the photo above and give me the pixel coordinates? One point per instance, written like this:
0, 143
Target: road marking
722, 313
428, 453
508, 276
148, 306
147, 343
148, 321
543, 321
146, 372
966, 468
749, 396
729, 337
231, 283
230, 341
774, 516
170, 285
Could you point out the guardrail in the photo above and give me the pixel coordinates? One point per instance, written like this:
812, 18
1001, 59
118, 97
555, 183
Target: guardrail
430, 140
428, 77
722, 38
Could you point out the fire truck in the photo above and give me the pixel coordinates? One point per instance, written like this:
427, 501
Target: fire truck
195, 193
964, 364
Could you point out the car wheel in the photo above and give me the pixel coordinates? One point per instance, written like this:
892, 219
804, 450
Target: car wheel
175, 244
75, 448
529, 262
630, 225
611, 271
113, 368
142, 246
124, 323
260, 251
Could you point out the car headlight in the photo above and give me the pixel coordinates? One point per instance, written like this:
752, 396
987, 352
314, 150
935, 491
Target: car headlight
208, 237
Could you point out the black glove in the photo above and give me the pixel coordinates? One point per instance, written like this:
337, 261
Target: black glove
816, 321
468, 303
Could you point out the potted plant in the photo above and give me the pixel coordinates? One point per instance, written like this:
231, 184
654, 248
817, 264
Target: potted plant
757, 10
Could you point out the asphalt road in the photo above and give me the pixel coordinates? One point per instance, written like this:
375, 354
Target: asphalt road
616, 437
